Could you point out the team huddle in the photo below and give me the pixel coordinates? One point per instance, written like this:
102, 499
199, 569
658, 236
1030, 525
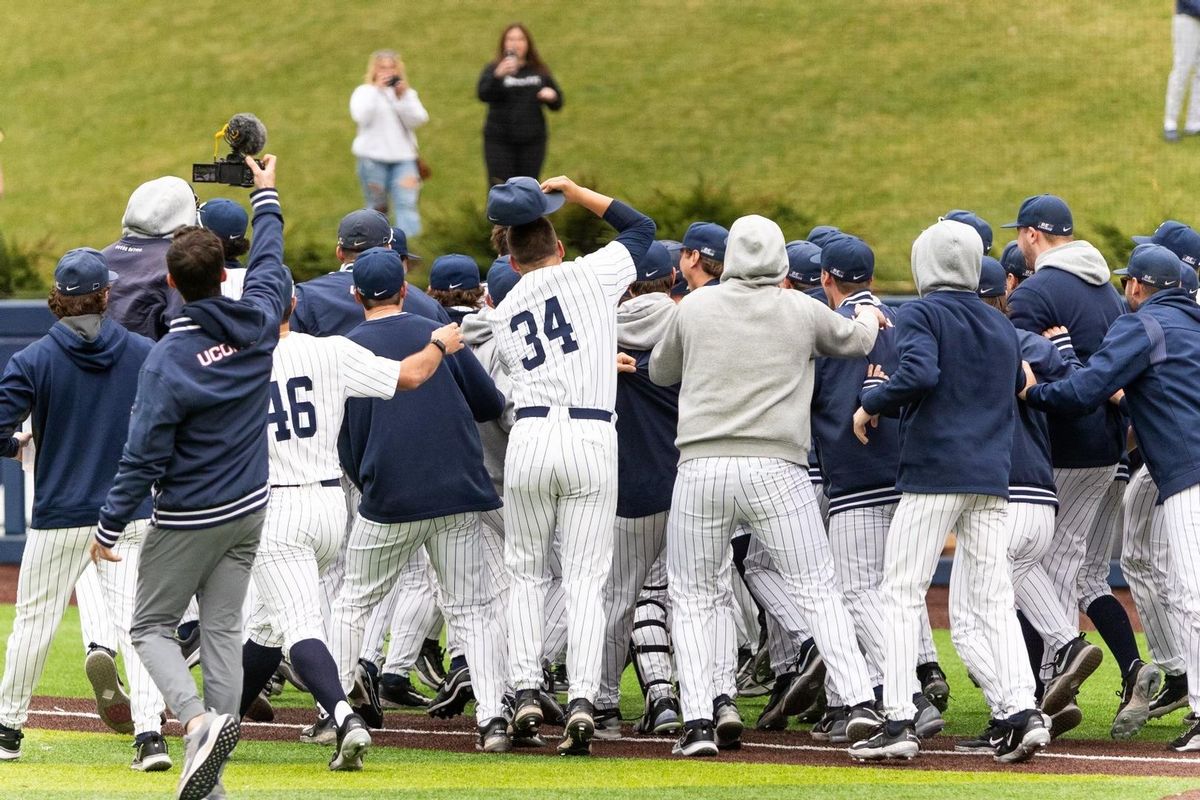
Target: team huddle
723, 460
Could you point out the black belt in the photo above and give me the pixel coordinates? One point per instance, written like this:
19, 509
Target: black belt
327, 482
573, 413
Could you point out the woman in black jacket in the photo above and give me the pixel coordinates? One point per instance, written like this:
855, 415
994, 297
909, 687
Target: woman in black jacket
515, 86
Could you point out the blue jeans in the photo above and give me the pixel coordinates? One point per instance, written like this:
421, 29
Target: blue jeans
397, 181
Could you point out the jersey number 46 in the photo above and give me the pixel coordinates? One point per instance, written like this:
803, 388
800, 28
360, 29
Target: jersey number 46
303, 414
555, 327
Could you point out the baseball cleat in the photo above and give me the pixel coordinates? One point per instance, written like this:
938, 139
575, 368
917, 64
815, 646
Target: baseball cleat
396, 691
697, 739
823, 730
983, 742
289, 674
364, 695
1065, 720
323, 731
527, 716
895, 740
929, 722
207, 750
608, 723
756, 678
454, 695
260, 709
112, 704
1074, 662
1140, 684
431, 664
150, 753
727, 723
493, 736
579, 730
1189, 742
1020, 737
662, 717
862, 722
774, 716
10, 743
1171, 697
188, 636
353, 739
552, 711
934, 685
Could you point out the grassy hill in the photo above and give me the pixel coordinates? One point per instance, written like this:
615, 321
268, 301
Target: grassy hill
876, 116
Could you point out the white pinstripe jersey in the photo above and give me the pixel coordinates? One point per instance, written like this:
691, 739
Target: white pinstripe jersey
556, 331
311, 378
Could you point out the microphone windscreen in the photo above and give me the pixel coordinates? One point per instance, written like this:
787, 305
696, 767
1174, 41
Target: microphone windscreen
246, 134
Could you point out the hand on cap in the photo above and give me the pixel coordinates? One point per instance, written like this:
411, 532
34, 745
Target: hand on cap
1030, 379
861, 420
563, 184
626, 363
264, 176
451, 336
101, 553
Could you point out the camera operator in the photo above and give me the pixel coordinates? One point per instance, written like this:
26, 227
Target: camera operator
515, 86
387, 111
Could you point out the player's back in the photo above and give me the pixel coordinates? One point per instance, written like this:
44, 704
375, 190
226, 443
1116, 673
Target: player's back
556, 331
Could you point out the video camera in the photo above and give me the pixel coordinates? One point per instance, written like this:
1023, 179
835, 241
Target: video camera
246, 136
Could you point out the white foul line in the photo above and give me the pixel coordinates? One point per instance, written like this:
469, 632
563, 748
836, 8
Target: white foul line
807, 748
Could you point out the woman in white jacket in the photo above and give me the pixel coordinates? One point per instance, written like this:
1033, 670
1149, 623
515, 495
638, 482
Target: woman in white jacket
387, 111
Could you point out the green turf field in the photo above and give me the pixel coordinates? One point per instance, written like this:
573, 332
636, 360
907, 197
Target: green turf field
60, 764
876, 115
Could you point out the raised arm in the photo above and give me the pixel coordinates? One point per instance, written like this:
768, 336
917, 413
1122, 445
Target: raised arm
268, 284
635, 230
837, 336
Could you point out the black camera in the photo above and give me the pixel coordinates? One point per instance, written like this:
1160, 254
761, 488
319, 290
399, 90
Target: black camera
246, 136
392, 81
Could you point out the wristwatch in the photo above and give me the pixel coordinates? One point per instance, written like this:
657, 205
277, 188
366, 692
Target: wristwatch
438, 343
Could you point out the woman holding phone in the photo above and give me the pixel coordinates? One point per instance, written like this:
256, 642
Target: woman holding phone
515, 85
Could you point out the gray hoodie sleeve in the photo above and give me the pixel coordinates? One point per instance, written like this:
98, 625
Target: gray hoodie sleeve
834, 335
666, 361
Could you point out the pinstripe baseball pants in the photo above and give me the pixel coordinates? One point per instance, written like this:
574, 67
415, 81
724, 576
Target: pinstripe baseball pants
1031, 529
981, 583
50, 566
1080, 494
774, 499
786, 629
559, 473
1145, 562
406, 617
375, 554
95, 620
1098, 546
1181, 515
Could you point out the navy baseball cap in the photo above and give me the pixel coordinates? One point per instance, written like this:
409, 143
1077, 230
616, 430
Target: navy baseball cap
976, 222
82, 271
992, 278
378, 272
656, 264
847, 258
821, 234
1153, 264
1046, 213
454, 271
1014, 263
363, 229
706, 238
1189, 280
804, 263
680, 287
400, 245
225, 218
674, 249
501, 278
1177, 237
521, 200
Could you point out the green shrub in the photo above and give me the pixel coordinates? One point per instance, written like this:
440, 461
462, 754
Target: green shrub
17, 271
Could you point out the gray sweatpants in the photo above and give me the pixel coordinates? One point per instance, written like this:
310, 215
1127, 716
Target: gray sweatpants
214, 565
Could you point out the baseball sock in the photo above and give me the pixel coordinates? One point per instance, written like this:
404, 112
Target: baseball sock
1036, 647
312, 661
458, 662
1112, 623
258, 665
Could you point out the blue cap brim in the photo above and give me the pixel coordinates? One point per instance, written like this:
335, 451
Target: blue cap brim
554, 201
1011, 225
1121, 272
112, 276
1143, 239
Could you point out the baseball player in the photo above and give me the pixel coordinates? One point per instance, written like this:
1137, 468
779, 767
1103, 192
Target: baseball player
556, 334
397, 513
228, 220
955, 451
1151, 354
702, 254
743, 453
454, 283
311, 379
83, 371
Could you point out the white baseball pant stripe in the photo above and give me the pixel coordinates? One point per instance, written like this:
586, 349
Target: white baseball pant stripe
375, 555
95, 620
1031, 530
980, 584
1098, 546
302, 534
774, 498
1080, 495
650, 637
1145, 563
1185, 71
50, 566
559, 474
637, 544
1181, 513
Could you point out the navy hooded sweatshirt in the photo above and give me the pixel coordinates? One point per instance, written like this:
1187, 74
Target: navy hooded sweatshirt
1031, 477
79, 392
325, 306
1071, 288
198, 434
1152, 354
856, 476
418, 455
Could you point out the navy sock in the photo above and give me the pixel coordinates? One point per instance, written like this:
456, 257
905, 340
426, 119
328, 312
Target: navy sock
315, 666
458, 662
258, 665
1112, 623
1036, 648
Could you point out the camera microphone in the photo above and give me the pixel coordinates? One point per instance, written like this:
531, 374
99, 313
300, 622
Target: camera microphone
246, 134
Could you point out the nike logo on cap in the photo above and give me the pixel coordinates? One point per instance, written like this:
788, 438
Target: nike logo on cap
380, 293
71, 288
455, 285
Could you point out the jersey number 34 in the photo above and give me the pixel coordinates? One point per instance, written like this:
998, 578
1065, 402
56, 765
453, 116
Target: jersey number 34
555, 327
302, 414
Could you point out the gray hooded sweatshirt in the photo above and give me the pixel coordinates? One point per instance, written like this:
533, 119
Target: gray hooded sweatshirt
743, 351
477, 333
1080, 259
